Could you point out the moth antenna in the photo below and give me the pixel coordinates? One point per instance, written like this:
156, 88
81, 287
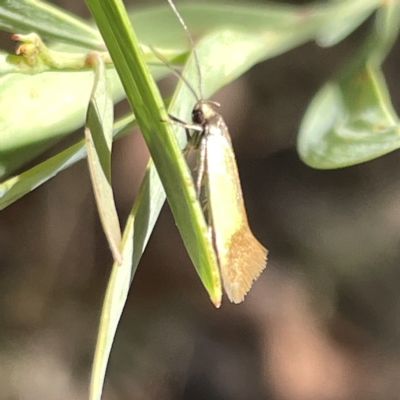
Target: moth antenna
175, 71
196, 58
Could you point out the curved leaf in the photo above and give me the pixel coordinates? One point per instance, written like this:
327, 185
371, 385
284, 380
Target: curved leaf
351, 119
345, 17
349, 122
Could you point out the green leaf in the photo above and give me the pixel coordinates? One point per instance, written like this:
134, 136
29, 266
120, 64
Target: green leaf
138, 228
99, 136
274, 23
351, 119
36, 110
14, 188
50, 22
386, 30
344, 17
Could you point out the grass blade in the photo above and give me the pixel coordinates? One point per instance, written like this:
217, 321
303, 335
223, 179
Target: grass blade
99, 137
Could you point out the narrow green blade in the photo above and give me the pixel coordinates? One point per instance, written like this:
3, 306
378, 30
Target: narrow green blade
99, 137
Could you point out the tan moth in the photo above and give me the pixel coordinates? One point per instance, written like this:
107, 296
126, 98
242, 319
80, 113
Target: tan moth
241, 258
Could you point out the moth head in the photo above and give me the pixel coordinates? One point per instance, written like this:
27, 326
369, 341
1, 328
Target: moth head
203, 110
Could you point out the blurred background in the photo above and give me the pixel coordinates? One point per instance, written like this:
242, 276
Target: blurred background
322, 322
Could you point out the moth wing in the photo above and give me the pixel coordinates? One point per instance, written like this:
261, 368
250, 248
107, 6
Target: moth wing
241, 257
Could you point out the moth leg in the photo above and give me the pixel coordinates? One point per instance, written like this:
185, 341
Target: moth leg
189, 137
184, 124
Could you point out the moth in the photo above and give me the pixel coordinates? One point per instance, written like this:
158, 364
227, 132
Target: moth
241, 257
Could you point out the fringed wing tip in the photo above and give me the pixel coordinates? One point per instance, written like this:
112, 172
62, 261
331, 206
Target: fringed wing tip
252, 263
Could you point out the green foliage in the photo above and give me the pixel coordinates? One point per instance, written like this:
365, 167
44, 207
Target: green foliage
351, 119
47, 92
